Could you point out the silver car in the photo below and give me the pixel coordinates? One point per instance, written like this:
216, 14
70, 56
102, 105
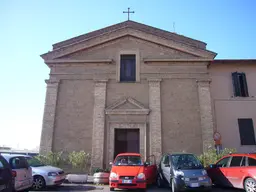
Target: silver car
44, 175
183, 172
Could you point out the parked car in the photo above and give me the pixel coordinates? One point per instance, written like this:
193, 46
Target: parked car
235, 170
182, 172
21, 171
44, 175
130, 172
6, 179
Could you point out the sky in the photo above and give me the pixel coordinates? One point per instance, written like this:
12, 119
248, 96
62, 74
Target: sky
29, 28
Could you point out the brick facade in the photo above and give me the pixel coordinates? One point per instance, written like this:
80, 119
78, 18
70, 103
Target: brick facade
170, 101
49, 116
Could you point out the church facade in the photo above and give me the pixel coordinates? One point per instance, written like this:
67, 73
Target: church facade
128, 87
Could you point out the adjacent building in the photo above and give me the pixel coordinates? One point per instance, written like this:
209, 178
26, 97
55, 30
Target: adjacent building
233, 92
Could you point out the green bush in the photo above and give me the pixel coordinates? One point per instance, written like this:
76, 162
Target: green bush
79, 160
211, 156
51, 158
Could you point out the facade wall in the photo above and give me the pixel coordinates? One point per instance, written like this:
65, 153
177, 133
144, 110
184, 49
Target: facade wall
115, 92
181, 130
176, 107
138, 91
73, 121
229, 108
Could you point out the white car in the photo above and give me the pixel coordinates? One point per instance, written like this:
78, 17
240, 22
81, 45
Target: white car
21, 171
44, 175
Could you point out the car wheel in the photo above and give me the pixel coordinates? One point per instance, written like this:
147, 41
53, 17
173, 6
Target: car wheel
174, 187
250, 185
159, 181
112, 189
38, 183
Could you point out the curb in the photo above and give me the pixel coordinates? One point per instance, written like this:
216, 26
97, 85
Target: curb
77, 182
88, 182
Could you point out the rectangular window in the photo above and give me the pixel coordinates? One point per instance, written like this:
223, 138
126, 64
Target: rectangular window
251, 161
246, 131
19, 163
240, 85
236, 161
128, 68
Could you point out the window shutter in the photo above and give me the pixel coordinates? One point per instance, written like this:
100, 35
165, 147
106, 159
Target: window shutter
245, 84
236, 85
122, 70
128, 68
133, 69
246, 130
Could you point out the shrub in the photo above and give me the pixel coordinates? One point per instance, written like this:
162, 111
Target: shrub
51, 158
100, 170
79, 160
211, 156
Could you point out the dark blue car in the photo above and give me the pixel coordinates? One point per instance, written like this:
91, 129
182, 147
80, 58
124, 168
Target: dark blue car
6, 179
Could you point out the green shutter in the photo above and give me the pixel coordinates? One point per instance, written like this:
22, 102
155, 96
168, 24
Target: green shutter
236, 85
246, 130
245, 84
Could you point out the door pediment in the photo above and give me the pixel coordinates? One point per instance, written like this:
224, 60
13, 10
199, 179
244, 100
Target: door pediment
127, 106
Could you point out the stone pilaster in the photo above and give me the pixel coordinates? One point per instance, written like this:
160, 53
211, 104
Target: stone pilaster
206, 115
155, 118
49, 116
98, 123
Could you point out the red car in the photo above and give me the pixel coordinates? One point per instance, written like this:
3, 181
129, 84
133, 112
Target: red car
235, 170
130, 172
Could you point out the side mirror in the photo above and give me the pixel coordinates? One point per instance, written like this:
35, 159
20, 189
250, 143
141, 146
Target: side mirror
146, 164
213, 166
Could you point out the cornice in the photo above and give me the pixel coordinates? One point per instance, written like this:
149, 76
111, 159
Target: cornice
68, 61
176, 60
127, 112
52, 81
203, 80
156, 80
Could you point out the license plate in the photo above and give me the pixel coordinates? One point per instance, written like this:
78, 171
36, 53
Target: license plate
194, 185
2, 187
127, 181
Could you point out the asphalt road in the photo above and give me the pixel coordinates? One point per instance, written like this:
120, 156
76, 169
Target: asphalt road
102, 188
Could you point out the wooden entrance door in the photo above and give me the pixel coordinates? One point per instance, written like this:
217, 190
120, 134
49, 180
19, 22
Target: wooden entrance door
127, 141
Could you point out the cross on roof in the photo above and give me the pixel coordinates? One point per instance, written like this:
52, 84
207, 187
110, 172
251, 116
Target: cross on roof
128, 12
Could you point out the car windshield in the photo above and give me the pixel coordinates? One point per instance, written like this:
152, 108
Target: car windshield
128, 160
34, 162
186, 161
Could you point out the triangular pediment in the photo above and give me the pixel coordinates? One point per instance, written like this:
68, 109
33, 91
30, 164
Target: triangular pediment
127, 106
132, 29
108, 50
